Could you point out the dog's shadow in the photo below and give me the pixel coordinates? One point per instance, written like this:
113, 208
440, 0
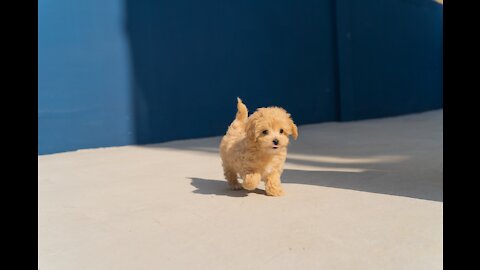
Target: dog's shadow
219, 188
429, 188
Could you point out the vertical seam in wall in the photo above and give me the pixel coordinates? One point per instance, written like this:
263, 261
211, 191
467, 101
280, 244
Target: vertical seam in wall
336, 61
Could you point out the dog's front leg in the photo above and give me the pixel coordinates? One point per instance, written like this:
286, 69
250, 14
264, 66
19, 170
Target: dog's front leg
251, 180
272, 185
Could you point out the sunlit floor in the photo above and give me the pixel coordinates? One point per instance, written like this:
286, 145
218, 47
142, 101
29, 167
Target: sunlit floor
359, 195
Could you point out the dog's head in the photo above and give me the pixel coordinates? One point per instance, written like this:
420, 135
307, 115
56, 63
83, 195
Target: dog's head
270, 128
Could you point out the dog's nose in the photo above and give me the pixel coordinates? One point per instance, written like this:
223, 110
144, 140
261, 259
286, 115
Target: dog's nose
275, 141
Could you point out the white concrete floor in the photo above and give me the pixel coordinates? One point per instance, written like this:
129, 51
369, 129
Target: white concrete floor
359, 195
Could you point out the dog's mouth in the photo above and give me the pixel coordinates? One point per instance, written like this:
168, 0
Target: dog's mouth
275, 147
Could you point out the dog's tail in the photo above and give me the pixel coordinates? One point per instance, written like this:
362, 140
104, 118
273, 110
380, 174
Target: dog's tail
242, 113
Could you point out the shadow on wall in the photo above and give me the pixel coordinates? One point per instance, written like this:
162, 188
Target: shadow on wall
191, 59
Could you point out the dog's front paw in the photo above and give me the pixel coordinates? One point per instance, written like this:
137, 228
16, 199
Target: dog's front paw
248, 185
251, 181
274, 191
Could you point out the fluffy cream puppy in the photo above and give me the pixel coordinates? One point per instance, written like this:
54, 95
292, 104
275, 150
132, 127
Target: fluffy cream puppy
255, 148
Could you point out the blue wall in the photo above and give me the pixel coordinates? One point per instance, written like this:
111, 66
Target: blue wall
124, 72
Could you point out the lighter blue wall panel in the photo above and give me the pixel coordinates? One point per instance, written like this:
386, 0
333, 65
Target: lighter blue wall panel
84, 97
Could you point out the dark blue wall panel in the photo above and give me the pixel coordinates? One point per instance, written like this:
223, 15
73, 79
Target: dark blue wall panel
390, 57
191, 59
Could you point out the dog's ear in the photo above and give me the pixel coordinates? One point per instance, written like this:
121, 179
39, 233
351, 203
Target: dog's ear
293, 127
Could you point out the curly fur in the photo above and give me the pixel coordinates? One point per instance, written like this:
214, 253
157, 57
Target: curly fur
248, 150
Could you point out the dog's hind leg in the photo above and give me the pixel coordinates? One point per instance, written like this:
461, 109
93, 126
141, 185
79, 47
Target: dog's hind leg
232, 178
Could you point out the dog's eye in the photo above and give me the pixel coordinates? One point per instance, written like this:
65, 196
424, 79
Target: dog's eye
281, 130
265, 132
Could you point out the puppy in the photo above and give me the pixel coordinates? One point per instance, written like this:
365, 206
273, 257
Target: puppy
255, 148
